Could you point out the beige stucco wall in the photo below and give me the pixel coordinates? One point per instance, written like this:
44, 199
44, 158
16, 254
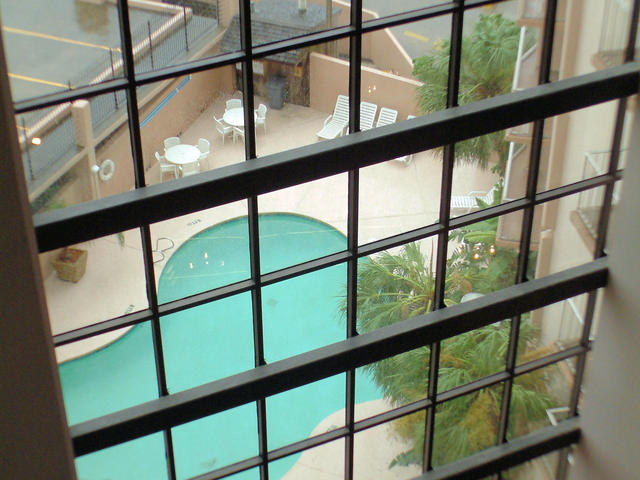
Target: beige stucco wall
573, 135
329, 78
380, 47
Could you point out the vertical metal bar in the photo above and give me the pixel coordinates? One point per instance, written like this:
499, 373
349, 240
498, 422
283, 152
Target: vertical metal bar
254, 227
156, 331
113, 75
27, 149
145, 233
355, 76
448, 162
527, 221
186, 34
355, 62
150, 43
128, 70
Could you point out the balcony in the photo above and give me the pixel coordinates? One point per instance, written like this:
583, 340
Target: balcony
613, 36
587, 215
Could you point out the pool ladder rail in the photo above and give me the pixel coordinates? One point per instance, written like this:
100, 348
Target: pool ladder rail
158, 253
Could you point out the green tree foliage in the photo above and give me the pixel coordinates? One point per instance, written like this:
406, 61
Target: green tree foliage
487, 62
396, 286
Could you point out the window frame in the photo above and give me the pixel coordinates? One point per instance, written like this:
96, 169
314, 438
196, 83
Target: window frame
141, 207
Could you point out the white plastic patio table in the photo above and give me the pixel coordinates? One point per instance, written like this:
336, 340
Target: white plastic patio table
182, 154
235, 117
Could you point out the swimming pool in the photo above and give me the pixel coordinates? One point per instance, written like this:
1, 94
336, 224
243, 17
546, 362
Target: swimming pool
215, 340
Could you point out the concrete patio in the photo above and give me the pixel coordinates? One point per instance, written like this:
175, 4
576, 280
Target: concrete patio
394, 198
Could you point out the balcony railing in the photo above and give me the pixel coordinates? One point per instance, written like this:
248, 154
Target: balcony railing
614, 33
571, 323
590, 201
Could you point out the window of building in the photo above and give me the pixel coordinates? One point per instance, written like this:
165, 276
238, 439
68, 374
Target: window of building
273, 241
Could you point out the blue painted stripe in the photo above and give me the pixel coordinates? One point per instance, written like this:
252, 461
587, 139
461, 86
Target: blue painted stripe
165, 101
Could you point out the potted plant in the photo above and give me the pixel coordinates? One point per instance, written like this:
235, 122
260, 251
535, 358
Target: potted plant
70, 264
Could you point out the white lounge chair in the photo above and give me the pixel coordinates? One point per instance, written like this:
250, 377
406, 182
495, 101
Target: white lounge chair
190, 168
335, 124
261, 116
387, 116
469, 202
367, 115
222, 128
166, 167
233, 103
171, 142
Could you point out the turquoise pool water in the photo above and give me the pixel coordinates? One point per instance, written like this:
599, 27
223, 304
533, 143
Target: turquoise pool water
216, 340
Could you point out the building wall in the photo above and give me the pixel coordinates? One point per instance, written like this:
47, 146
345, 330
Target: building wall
610, 423
329, 78
572, 135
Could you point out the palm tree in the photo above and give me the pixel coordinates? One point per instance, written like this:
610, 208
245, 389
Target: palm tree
393, 287
487, 62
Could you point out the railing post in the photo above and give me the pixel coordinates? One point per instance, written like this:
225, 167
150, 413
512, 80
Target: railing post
26, 149
113, 75
150, 43
186, 35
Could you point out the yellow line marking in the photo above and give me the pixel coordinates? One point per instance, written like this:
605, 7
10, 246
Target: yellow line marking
56, 38
415, 35
37, 80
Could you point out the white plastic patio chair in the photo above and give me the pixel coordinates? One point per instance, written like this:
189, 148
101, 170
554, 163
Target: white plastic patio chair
233, 103
166, 167
222, 128
387, 116
469, 202
205, 148
238, 132
367, 115
261, 116
190, 169
171, 142
335, 124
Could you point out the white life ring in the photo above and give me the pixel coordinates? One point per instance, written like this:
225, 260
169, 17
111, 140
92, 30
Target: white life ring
107, 169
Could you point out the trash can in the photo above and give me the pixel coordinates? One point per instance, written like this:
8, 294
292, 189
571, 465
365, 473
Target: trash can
276, 90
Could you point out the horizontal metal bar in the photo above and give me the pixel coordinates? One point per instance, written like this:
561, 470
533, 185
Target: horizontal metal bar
102, 327
474, 386
55, 99
411, 16
507, 455
391, 415
576, 187
230, 469
187, 68
304, 268
159, 202
205, 297
263, 381
399, 240
547, 360
307, 443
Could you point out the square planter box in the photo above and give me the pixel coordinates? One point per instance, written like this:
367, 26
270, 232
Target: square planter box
72, 265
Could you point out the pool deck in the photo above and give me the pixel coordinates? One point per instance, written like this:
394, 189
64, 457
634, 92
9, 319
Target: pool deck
394, 198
